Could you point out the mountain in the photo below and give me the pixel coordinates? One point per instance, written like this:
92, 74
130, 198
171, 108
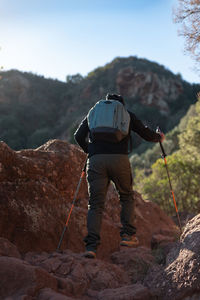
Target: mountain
34, 109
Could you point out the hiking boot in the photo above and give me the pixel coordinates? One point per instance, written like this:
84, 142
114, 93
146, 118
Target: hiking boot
89, 254
129, 241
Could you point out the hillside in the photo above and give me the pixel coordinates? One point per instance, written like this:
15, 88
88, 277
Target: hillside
170, 144
34, 109
183, 161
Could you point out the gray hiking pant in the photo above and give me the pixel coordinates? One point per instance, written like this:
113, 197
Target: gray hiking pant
101, 169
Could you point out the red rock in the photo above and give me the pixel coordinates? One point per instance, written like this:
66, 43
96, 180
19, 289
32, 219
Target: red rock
8, 249
180, 278
48, 294
130, 292
79, 274
135, 262
18, 278
160, 240
151, 220
36, 192
72, 276
37, 189
66, 286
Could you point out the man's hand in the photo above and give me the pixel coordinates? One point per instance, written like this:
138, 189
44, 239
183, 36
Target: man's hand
162, 136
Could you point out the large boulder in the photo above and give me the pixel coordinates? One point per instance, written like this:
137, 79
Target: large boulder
19, 278
180, 277
36, 192
8, 249
135, 261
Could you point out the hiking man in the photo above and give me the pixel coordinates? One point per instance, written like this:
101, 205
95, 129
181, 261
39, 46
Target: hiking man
108, 160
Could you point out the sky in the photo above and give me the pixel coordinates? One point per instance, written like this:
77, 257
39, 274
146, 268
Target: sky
56, 38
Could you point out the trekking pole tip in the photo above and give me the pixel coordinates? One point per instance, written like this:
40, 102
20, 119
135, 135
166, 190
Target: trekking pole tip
59, 251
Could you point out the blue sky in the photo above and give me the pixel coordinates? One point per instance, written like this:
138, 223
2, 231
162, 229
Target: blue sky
56, 38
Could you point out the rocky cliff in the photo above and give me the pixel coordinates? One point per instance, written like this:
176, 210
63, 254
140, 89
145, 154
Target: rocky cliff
150, 88
36, 192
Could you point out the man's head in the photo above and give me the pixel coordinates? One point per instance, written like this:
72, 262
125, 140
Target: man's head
115, 97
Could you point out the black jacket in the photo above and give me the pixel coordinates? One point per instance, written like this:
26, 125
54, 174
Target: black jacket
82, 137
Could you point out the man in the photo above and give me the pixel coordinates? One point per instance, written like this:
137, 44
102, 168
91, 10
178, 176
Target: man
109, 161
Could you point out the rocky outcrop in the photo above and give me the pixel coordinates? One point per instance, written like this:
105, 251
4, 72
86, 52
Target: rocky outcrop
70, 276
180, 277
149, 88
19, 279
37, 190
128, 274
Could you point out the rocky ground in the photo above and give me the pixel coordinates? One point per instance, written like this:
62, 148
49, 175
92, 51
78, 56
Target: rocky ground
36, 192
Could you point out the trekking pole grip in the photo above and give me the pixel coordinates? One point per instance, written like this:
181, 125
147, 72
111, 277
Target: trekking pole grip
161, 146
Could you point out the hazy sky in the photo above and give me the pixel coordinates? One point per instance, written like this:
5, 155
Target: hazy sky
56, 38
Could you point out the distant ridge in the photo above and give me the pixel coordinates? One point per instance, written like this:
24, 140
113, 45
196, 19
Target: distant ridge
34, 109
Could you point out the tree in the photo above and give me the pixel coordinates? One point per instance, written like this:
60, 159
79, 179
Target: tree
189, 139
188, 14
185, 177
75, 79
184, 168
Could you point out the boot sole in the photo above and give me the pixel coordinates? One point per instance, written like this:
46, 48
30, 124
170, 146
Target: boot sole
129, 244
89, 254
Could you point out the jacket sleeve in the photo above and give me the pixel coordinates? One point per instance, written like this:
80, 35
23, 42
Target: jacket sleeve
81, 135
143, 131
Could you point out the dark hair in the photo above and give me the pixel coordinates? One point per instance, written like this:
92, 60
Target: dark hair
115, 97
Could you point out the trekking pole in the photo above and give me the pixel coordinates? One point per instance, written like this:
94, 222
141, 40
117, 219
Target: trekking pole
74, 200
170, 184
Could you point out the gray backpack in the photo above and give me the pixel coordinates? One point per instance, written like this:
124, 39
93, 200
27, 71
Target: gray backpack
108, 120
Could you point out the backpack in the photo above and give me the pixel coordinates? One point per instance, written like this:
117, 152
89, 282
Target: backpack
108, 120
